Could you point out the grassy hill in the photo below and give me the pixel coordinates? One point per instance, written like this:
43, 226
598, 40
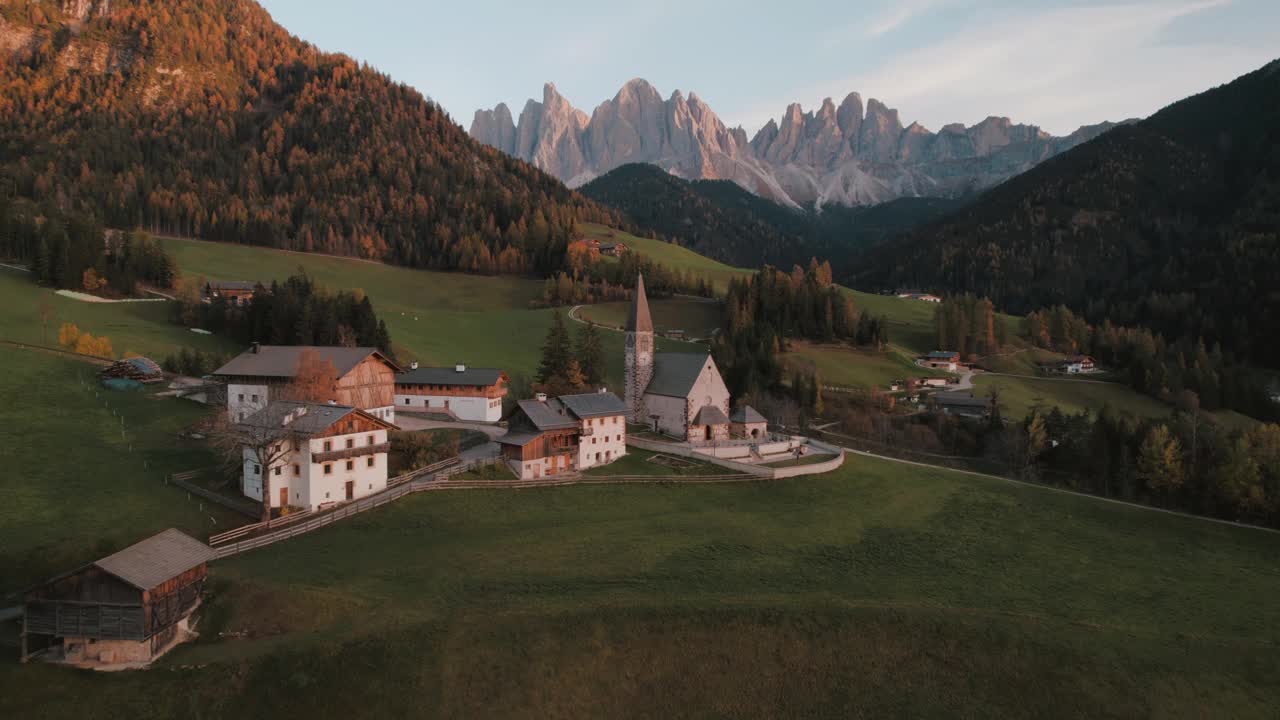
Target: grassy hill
879, 590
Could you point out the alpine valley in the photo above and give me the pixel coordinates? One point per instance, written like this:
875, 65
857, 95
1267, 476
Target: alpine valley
850, 154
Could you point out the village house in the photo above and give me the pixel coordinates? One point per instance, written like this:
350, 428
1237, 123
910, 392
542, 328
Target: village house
463, 393
233, 291
365, 377
613, 249
948, 360
554, 436
745, 422
126, 609
329, 454
680, 394
962, 404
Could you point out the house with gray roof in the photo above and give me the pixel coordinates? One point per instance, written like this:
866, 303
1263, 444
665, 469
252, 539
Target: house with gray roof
671, 392
364, 377
312, 455
123, 610
460, 392
552, 436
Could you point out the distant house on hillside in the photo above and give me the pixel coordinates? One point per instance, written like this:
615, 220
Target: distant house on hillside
334, 453
365, 377
126, 609
948, 360
233, 291
613, 249
554, 436
1074, 365
472, 394
913, 295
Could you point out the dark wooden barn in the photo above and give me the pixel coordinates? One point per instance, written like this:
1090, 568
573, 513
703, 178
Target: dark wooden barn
127, 608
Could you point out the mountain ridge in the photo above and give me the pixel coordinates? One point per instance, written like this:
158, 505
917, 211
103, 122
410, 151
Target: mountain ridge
850, 154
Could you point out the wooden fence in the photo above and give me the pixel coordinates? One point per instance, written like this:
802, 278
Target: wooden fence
236, 541
183, 480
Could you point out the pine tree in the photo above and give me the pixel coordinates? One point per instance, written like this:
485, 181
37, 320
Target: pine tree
590, 355
1160, 461
556, 351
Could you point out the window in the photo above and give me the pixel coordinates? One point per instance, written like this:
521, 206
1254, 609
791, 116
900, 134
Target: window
351, 465
257, 469
278, 469
351, 442
254, 398
406, 401
369, 462
326, 496
328, 445
371, 442
241, 397
328, 470
297, 470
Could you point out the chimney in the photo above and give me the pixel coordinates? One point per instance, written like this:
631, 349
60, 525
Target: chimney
460, 368
254, 348
542, 397
413, 365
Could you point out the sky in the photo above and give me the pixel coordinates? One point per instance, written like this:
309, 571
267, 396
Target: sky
1058, 65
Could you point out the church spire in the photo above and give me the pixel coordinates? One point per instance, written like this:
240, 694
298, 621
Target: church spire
639, 320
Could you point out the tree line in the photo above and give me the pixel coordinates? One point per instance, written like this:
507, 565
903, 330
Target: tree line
969, 325
1155, 366
73, 251
297, 311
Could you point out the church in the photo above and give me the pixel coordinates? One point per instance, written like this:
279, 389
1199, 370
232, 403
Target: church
679, 394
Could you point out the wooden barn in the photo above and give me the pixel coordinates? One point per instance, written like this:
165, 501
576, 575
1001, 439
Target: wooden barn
138, 369
128, 608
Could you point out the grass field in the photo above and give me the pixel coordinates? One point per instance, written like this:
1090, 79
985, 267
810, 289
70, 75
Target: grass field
848, 367
669, 254
435, 318
73, 490
1020, 395
880, 590
141, 327
698, 318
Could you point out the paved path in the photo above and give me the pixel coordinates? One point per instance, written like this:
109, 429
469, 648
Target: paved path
480, 452
573, 315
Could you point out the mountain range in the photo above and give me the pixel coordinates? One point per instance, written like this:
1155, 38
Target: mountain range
848, 154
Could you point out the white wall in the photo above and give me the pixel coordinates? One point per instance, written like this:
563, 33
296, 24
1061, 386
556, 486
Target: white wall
311, 487
672, 414
608, 441
471, 409
241, 402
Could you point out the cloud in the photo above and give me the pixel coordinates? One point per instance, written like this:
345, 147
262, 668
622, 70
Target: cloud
1057, 68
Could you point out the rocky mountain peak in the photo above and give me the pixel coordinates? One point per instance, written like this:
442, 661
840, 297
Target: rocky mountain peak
845, 153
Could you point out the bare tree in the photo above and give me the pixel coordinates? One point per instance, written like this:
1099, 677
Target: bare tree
265, 438
315, 379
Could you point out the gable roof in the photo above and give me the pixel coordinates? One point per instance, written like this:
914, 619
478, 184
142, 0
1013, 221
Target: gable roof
281, 361
315, 418
674, 374
638, 319
710, 415
232, 285
159, 558
481, 377
549, 415
747, 414
588, 405
954, 399
943, 354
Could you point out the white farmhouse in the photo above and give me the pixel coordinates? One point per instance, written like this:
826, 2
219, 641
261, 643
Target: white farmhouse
553, 436
365, 378
329, 454
461, 392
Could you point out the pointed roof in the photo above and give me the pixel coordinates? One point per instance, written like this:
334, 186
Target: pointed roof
638, 320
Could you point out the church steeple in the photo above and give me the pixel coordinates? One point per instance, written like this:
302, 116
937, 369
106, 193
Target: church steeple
638, 320
639, 354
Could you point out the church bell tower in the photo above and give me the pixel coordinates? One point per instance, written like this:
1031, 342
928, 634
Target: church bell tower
639, 353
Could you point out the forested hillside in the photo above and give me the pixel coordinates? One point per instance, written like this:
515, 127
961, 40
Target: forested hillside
720, 219
1172, 223
206, 118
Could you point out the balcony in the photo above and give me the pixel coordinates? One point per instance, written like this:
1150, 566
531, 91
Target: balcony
587, 431
345, 453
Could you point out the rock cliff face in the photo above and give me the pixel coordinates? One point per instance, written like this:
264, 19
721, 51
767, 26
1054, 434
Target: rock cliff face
844, 155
